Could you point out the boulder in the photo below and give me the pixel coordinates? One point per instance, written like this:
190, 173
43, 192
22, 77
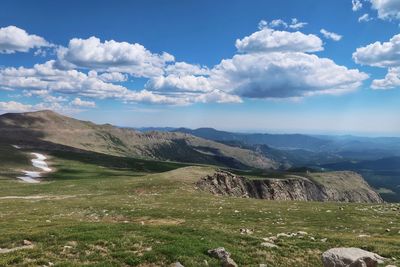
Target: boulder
223, 255
350, 257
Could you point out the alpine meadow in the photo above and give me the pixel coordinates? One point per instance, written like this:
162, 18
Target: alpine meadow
200, 133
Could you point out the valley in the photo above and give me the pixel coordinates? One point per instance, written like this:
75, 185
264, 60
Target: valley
104, 204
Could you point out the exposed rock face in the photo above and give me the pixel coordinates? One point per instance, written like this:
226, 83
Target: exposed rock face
350, 257
292, 188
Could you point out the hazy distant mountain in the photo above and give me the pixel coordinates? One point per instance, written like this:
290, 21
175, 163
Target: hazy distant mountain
47, 128
155, 129
316, 146
281, 141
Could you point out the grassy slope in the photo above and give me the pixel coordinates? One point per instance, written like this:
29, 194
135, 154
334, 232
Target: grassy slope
49, 128
112, 212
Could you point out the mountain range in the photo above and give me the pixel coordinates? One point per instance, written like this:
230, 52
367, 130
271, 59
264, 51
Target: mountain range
377, 159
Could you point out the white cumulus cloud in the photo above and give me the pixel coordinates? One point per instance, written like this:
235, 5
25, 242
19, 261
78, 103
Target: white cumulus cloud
113, 56
380, 54
387, 9
83, 103
391, 80
13, 106
269, 40
14, 39
284, 75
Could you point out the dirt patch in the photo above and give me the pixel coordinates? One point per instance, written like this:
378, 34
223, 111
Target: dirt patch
26, 245
164, 221
44, 197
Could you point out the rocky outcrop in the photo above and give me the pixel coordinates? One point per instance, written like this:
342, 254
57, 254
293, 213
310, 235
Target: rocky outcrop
224, 256
350, 257
328, 188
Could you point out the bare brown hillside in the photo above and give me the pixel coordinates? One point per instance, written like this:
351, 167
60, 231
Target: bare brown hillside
47, 128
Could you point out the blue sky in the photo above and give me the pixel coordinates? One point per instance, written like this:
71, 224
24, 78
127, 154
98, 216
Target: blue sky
234, 65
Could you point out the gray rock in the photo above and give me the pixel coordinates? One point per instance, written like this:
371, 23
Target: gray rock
223, 255
350, 257
291, 188
268, 245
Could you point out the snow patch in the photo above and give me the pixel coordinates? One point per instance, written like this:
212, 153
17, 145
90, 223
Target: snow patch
38, 162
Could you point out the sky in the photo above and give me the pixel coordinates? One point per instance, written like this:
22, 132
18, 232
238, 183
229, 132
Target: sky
311, 66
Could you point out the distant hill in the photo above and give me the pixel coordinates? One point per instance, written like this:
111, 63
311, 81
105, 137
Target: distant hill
381, 173
46, 129
281, 141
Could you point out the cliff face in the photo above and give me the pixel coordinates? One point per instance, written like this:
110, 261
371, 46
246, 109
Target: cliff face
335, 186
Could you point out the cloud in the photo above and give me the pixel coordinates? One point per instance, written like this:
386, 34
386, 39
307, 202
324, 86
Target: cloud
82, 103
283, 75
391, 80
13, 106
269, 40
296, 24
387, 9
269, 64
183, 68
386, 54
112, 56
331, 35
47, 77
174, 82
356, 5
109, 76
14, 39
383, 55
364, 18
273, 24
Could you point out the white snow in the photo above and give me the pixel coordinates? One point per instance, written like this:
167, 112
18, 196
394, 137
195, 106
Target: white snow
38, 162
15, 146
28, 179
32, 174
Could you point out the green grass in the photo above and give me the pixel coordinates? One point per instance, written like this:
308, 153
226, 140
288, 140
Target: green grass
101, 210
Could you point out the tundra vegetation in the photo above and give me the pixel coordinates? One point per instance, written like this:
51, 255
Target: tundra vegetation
104, 210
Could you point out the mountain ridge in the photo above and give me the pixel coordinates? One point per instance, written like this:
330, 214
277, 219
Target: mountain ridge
52, 128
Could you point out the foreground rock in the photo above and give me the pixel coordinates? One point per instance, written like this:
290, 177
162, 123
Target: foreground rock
223, 255
332, 186
350, 257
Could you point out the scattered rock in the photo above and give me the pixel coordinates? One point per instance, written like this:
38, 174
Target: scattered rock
283, 235
246, 231
323, 240
268, 245
271, 239
27, 242
344, 257
177, 264
387, 230
223, 255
